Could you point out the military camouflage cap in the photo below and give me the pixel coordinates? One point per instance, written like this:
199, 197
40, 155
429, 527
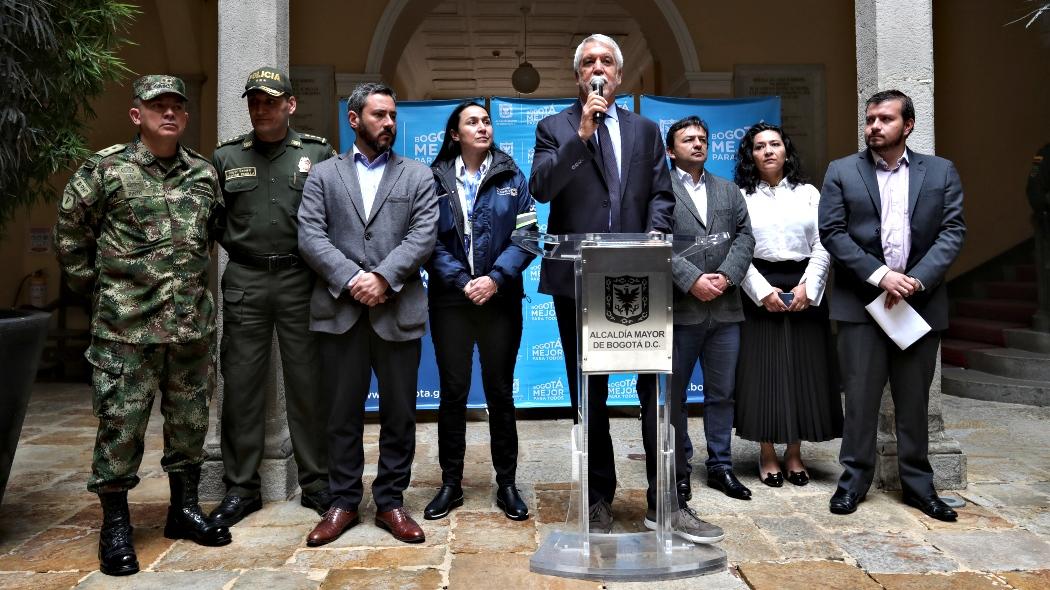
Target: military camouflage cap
270, 80
153, 85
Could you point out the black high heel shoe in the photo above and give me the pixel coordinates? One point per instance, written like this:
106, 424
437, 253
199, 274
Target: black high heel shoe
773, 480
799, 478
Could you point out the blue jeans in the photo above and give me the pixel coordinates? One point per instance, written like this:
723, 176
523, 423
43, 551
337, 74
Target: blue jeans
716, 345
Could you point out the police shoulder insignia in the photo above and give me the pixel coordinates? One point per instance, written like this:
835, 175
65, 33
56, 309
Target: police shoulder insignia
231, 140
295, 143
313, 138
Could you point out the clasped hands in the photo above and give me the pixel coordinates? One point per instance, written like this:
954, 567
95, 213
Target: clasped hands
368, 288
709, 286
799, 301
480, 290
898, 286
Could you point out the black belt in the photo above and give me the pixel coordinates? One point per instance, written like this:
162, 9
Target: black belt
270, 263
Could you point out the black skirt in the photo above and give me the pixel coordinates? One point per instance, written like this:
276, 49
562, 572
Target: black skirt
787, 385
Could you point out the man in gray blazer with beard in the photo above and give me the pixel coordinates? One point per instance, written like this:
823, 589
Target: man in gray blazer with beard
707, 310
367, 222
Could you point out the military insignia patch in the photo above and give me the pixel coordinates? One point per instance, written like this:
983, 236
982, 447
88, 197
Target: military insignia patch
304, 164
627, 299
240, 172
68, 201
81, 186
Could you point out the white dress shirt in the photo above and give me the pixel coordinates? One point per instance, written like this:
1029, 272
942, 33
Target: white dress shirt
896, 227
784, 223
369, 175
697, 191
461, 188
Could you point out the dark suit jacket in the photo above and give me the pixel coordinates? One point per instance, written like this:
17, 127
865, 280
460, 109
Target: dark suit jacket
336, 241
850, 215
567, 174
726, 212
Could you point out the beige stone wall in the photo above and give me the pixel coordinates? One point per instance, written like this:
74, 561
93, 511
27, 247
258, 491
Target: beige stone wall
992, 105
990, 102
806, 32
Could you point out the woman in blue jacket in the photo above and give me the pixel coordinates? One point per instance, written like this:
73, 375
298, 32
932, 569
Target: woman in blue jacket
475, 291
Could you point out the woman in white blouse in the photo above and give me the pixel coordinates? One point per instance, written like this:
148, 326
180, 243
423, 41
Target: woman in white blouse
787, 383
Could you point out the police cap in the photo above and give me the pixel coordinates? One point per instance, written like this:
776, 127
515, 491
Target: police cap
270, 80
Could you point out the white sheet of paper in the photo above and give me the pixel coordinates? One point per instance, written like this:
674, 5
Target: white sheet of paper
902, 324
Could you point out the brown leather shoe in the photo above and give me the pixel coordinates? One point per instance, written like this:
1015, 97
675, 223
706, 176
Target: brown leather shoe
334, 523
401, 525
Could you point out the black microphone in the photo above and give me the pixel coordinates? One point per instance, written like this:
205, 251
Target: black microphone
598, 85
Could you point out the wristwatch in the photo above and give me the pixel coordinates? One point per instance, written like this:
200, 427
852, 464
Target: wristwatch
729, 281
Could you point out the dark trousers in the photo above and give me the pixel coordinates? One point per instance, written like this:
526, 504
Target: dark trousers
255, 302
717, 346
601, 469
496, 329
867, 358
347, 361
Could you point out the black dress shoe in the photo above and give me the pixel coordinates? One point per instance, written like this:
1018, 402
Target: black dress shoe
727, 483
798, 478
931, 506
319, 501
844, 502
448, 497
233, 509
685, 490
773, 480
508, 499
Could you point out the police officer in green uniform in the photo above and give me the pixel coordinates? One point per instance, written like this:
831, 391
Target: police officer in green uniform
266, 286
133, 233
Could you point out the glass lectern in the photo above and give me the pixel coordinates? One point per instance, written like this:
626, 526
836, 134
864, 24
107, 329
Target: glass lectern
624, 296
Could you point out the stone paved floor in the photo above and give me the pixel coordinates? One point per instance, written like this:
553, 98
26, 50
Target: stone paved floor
784, 539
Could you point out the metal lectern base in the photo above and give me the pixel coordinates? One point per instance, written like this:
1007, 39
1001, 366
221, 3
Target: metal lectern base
624, 557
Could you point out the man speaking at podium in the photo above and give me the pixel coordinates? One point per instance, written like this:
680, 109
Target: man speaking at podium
602, 170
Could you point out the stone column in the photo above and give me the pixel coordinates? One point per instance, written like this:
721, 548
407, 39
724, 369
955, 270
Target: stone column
251, 34
895, 50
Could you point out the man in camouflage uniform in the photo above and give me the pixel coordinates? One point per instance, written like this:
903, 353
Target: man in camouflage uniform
266, 286
133, 233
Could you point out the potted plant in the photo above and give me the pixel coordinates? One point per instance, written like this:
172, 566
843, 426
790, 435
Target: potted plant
55, 57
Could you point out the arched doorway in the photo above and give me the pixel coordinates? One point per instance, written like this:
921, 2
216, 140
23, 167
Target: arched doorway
467, 47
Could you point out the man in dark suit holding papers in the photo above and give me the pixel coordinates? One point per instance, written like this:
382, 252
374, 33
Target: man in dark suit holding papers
892, 220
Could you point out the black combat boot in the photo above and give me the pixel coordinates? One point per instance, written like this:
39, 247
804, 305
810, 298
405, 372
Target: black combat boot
185, 519
116, 553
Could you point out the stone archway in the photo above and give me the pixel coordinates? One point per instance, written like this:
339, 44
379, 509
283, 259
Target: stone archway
676, 62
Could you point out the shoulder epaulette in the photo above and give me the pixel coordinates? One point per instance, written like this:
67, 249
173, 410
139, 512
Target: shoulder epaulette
313, 138
194, 153
231, 140
119, 147
97, 157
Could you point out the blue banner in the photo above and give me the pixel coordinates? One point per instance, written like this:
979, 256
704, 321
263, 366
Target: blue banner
539, 378
728, 119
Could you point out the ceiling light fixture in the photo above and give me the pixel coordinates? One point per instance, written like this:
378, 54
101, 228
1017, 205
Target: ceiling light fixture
525, 79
